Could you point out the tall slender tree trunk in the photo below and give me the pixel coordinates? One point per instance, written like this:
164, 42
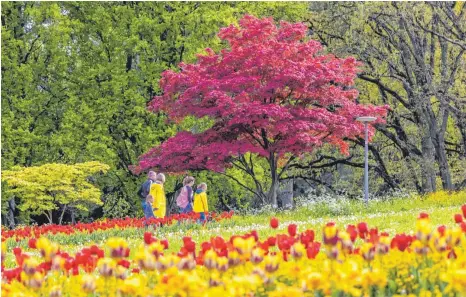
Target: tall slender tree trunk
49, 216
73, 219
442, 159
62, 214
272, 195
444, 167
11, 213
428, 160
461, 122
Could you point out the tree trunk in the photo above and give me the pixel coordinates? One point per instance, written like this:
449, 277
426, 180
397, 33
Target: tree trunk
441, 154
428, 164
444, 166
62, 214
286, 193
73, 219
49, 214
11, 213
272, 195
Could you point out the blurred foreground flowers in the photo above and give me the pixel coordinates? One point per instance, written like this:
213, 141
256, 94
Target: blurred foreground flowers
355, 260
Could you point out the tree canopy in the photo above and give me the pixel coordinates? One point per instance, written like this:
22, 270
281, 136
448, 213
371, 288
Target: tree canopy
43, 189
273, 93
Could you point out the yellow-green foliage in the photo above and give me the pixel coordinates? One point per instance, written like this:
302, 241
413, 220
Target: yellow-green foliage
441, 198
44, 188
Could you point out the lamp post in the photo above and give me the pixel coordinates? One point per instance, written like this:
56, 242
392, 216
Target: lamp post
366, 120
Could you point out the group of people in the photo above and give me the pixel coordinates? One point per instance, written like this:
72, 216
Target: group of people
154, 202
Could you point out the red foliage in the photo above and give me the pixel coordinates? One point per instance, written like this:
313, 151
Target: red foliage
272, 92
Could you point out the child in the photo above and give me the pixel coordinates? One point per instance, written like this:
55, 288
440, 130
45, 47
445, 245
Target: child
157, 191
200, 201
148, 211
185, 199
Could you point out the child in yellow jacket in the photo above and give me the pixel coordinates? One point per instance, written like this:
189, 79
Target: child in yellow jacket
200, 201
158, 193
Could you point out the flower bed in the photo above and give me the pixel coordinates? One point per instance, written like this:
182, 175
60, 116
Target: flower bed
37, 231
354, 261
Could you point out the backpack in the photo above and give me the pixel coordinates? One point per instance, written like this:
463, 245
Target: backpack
182, 200
142, 192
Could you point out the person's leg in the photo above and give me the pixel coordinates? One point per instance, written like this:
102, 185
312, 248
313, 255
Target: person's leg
202, 217
143, 204
188, 208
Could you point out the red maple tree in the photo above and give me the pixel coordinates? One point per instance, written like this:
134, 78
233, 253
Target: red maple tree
273, 93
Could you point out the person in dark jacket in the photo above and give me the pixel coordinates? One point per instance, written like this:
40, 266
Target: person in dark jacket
145, 188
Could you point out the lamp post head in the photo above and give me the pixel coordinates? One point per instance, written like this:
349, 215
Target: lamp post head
366, 119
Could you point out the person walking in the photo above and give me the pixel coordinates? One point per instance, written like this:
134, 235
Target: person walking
158, 193
185, 199
200, 204
145, 188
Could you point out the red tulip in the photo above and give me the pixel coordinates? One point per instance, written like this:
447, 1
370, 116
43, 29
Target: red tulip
401, 241
254, 234
17, 251
32, 243
351, 230
124, 263
313, 250
463, 226
292, 228
147, 237
190, 246
274, 223
441, 230
205, 246
165, 244
362, 228
263, 245
283, 244
458, 218
463, 209
218, 243
272, 241
423, 215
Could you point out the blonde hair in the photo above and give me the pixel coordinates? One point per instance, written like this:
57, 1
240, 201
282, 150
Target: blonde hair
187, 180
202, 186
160, 177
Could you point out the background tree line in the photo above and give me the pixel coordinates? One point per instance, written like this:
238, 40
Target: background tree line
76, 78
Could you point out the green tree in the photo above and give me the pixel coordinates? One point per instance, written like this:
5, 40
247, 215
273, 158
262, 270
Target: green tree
76, 78
415, 62
44, 189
